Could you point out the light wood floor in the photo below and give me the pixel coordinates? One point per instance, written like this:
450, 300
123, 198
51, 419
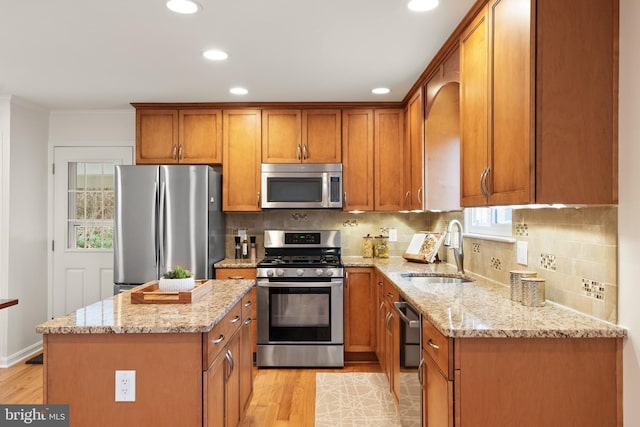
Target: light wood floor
281, 397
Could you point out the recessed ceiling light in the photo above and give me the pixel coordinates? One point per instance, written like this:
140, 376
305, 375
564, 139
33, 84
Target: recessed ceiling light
186, 7
215, 55
381, 90
238, 91
422, 5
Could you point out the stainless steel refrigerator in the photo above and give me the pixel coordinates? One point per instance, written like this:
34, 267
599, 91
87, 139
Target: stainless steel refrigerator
166, 216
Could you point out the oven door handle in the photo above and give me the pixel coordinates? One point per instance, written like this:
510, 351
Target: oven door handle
267, 284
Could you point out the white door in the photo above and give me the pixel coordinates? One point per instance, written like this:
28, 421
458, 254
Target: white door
83, 224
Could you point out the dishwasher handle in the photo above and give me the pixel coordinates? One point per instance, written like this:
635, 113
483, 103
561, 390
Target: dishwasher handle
400, 306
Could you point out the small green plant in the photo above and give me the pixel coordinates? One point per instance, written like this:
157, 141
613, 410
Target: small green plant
177, 273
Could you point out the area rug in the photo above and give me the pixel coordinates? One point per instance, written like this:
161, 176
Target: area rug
354, 399
35, 360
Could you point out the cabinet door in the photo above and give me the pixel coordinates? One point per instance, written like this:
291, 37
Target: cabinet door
413, 153
156, 136
437, 404
389, 160
232, 390
380, 320
392, 350
200, 139
241, 164
359, 311
510, 178
281, 136
474, 106
321, 136
357, 159
214, 392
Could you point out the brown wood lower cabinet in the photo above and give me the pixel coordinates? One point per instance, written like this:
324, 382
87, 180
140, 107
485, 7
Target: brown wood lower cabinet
520, 381
244, 274
359, 311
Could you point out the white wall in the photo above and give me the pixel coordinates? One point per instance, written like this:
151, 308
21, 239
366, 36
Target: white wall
24, 226
629, 207
92, 127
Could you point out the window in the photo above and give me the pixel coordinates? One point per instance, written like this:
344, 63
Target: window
90, 205
494, 221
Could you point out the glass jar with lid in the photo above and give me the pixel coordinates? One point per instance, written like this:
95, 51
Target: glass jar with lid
367, 246
382, 247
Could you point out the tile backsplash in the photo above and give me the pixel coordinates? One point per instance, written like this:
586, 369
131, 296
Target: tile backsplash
575, 250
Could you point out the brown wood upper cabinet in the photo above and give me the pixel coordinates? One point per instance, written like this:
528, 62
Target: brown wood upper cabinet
301, 136
413, 153
389, 160
357, 131
241, 165
172, 136
538, 110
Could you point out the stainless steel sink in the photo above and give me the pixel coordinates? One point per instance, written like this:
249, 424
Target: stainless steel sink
428, 278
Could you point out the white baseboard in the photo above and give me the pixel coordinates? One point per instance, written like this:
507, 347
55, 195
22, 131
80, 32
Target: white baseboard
20, 355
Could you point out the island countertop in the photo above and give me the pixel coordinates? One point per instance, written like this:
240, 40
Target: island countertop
481, 308
117, 315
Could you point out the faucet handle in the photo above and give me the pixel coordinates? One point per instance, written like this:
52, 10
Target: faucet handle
447, 238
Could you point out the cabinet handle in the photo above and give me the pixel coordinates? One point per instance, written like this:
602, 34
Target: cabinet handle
420, 195
304, 152
345, 198
432, 345
379, 283
381, 307
236, 277
173, 156
298, 154
180, 152
235, 319
231, 364
258, 200
248, 321
406, 198
386, 321
486, 181
248, 304
219, 340
482, 175
420, 373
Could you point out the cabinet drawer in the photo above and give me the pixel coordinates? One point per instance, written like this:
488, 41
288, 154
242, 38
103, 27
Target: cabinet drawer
437, 346
235, 273
390, 292
219, 336
248, 304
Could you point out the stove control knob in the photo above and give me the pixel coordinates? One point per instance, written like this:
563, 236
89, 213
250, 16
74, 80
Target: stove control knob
270, 273
280, 272
299, 272
330, 272
319, 272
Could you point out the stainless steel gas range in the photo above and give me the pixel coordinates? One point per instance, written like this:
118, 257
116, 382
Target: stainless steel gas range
300, 300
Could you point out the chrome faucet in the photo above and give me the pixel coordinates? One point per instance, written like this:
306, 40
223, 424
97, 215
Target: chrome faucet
457, 252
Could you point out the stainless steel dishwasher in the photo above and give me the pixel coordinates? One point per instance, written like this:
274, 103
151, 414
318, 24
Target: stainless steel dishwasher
410, 407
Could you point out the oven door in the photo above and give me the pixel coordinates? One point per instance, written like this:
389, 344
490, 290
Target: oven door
300, 312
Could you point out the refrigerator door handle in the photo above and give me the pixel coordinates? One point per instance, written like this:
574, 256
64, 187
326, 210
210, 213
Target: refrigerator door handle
154, 221
161, 227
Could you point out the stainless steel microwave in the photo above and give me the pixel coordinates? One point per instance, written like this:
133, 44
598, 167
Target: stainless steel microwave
301, 185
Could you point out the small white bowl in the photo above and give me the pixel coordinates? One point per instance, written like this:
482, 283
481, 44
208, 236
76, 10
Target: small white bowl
176, 285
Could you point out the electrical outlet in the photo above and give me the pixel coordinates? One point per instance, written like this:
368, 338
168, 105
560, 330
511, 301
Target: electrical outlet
522, 252
393, 234
125, 386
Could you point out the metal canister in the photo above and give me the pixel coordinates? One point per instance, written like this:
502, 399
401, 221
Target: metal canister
516, 284
533, 291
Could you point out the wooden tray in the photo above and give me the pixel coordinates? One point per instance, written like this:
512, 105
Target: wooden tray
150, 294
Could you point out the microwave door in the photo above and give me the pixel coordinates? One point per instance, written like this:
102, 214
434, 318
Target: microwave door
299, 191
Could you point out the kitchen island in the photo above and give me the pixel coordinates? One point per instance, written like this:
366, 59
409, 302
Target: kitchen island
181, 354
489, 361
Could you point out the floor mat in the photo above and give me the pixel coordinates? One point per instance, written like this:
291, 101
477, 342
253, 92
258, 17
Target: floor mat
354, 399
35, 360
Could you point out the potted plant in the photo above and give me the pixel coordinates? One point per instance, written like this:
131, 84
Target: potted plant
176, 280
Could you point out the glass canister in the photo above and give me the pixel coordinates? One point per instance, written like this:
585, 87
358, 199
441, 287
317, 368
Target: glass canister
382, 247
367, 246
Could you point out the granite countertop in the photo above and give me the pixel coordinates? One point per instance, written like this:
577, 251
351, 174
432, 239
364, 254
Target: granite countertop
481, 308
117, 315
235, 263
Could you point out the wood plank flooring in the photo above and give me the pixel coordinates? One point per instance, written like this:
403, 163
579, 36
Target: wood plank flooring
281, 397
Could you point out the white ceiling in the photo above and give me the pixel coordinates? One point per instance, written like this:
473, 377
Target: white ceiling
74, 54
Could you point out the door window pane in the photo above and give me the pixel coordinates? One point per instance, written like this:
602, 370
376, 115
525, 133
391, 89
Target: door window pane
90, 205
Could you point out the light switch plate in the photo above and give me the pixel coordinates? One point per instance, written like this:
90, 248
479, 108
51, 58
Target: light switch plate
393, 234
522, 249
